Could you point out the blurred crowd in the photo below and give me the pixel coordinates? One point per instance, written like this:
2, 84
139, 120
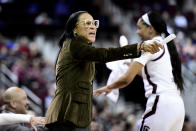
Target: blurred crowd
25, 59
32, 58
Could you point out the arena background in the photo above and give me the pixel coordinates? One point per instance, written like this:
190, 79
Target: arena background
29, 32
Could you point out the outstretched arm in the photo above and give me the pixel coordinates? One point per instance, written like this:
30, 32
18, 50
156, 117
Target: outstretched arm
8, 118
134, 69
83, 51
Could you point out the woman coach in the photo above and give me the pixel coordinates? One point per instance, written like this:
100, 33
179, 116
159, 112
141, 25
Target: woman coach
71, 107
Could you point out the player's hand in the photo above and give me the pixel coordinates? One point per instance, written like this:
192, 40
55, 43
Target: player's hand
151, 46
127, 63
104, 90
37, 121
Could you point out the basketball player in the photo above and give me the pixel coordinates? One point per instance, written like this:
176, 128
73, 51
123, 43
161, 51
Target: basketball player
162, 78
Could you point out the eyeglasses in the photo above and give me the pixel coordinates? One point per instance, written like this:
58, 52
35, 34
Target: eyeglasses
89, 23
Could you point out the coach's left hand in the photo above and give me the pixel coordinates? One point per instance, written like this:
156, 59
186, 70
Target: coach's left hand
151, 46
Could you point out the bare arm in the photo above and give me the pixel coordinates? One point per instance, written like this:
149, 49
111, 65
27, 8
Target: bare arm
134, 69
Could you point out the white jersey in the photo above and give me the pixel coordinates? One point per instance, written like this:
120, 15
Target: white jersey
164, 108
157, 71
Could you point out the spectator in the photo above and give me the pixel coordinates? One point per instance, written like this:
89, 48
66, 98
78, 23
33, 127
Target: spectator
16, 102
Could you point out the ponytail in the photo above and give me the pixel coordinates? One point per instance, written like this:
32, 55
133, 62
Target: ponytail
160, 26
176, 63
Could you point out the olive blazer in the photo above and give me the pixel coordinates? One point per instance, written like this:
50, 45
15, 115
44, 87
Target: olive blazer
75, 71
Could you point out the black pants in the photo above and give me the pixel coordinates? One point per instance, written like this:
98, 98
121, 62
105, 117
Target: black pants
65, 127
